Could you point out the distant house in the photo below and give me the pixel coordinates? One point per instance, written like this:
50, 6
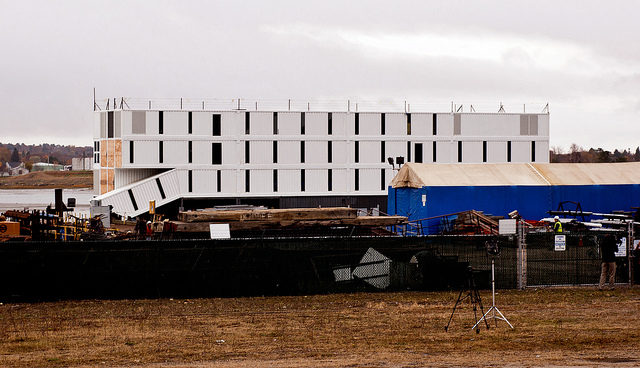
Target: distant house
43, 166
16, 168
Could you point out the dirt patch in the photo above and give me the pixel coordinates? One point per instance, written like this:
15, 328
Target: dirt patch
49, 180
553, 327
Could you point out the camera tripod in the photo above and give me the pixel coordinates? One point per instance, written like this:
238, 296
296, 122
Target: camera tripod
493, 308
474, 297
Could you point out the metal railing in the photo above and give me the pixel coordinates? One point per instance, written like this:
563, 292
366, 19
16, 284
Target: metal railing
313, 105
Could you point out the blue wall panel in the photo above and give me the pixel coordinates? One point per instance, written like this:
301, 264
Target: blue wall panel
532, 202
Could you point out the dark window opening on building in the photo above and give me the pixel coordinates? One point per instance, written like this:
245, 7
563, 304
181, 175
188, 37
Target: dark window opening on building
409, 126
484, 151
130, 152
329, 180
301, 151
382, 152
329, 152
302, 123
219, 181
275, 180
383, 183
190, 151
216, 153
302, 180
508, 151
160, 122
160, 151
275, 152
459, 151
190, 122
409, 151
382, 123
435, 124
216, 125
434, 150
418, 152
247, 181
533, 151
133, 200
357, 151
275, 123
357, 124
110, 124
160, 189
329, 123
247, 122
190, 181
356, 173
246, 152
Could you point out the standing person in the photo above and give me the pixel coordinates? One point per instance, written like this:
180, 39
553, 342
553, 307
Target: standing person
608, 249
149, 230
557, 225
141, 228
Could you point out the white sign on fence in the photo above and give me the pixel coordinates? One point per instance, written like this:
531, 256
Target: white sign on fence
561, 243
219, 231
622, 247
507, 227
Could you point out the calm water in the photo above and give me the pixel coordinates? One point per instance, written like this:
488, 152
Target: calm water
39, 199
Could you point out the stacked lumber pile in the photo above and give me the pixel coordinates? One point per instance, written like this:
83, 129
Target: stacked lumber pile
252, 219
476, 222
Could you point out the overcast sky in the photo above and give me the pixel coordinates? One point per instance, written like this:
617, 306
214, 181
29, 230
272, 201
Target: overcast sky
582, 57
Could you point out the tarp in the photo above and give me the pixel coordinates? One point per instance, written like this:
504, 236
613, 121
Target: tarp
413, 175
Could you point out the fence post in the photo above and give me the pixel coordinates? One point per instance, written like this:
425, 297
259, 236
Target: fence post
521, 256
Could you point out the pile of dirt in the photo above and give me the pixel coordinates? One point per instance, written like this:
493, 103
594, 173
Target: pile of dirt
49, 180
553, 327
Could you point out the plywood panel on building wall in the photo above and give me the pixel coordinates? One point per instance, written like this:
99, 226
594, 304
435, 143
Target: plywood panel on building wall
232, 153
341, 122
339, 177
445, 125
110, 153
232, 123
103, 153
117, 152
445, 151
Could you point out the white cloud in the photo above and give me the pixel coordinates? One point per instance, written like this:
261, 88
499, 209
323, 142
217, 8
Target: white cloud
507, 49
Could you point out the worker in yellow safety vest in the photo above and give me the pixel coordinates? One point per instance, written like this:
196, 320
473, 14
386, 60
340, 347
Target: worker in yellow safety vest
557, 225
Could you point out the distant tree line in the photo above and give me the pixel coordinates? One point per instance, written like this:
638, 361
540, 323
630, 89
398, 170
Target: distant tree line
579, 154
33, 153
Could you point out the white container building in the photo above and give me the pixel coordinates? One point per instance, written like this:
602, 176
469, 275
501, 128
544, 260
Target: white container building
291, 157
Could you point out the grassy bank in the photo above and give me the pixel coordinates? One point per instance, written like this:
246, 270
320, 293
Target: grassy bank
566, 327
49, 180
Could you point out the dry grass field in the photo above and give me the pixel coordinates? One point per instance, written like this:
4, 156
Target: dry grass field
49, 180
553, 327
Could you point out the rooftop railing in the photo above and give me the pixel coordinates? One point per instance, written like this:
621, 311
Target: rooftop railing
313, 105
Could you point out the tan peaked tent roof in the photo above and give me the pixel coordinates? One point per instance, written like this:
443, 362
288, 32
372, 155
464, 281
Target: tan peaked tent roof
414, 175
